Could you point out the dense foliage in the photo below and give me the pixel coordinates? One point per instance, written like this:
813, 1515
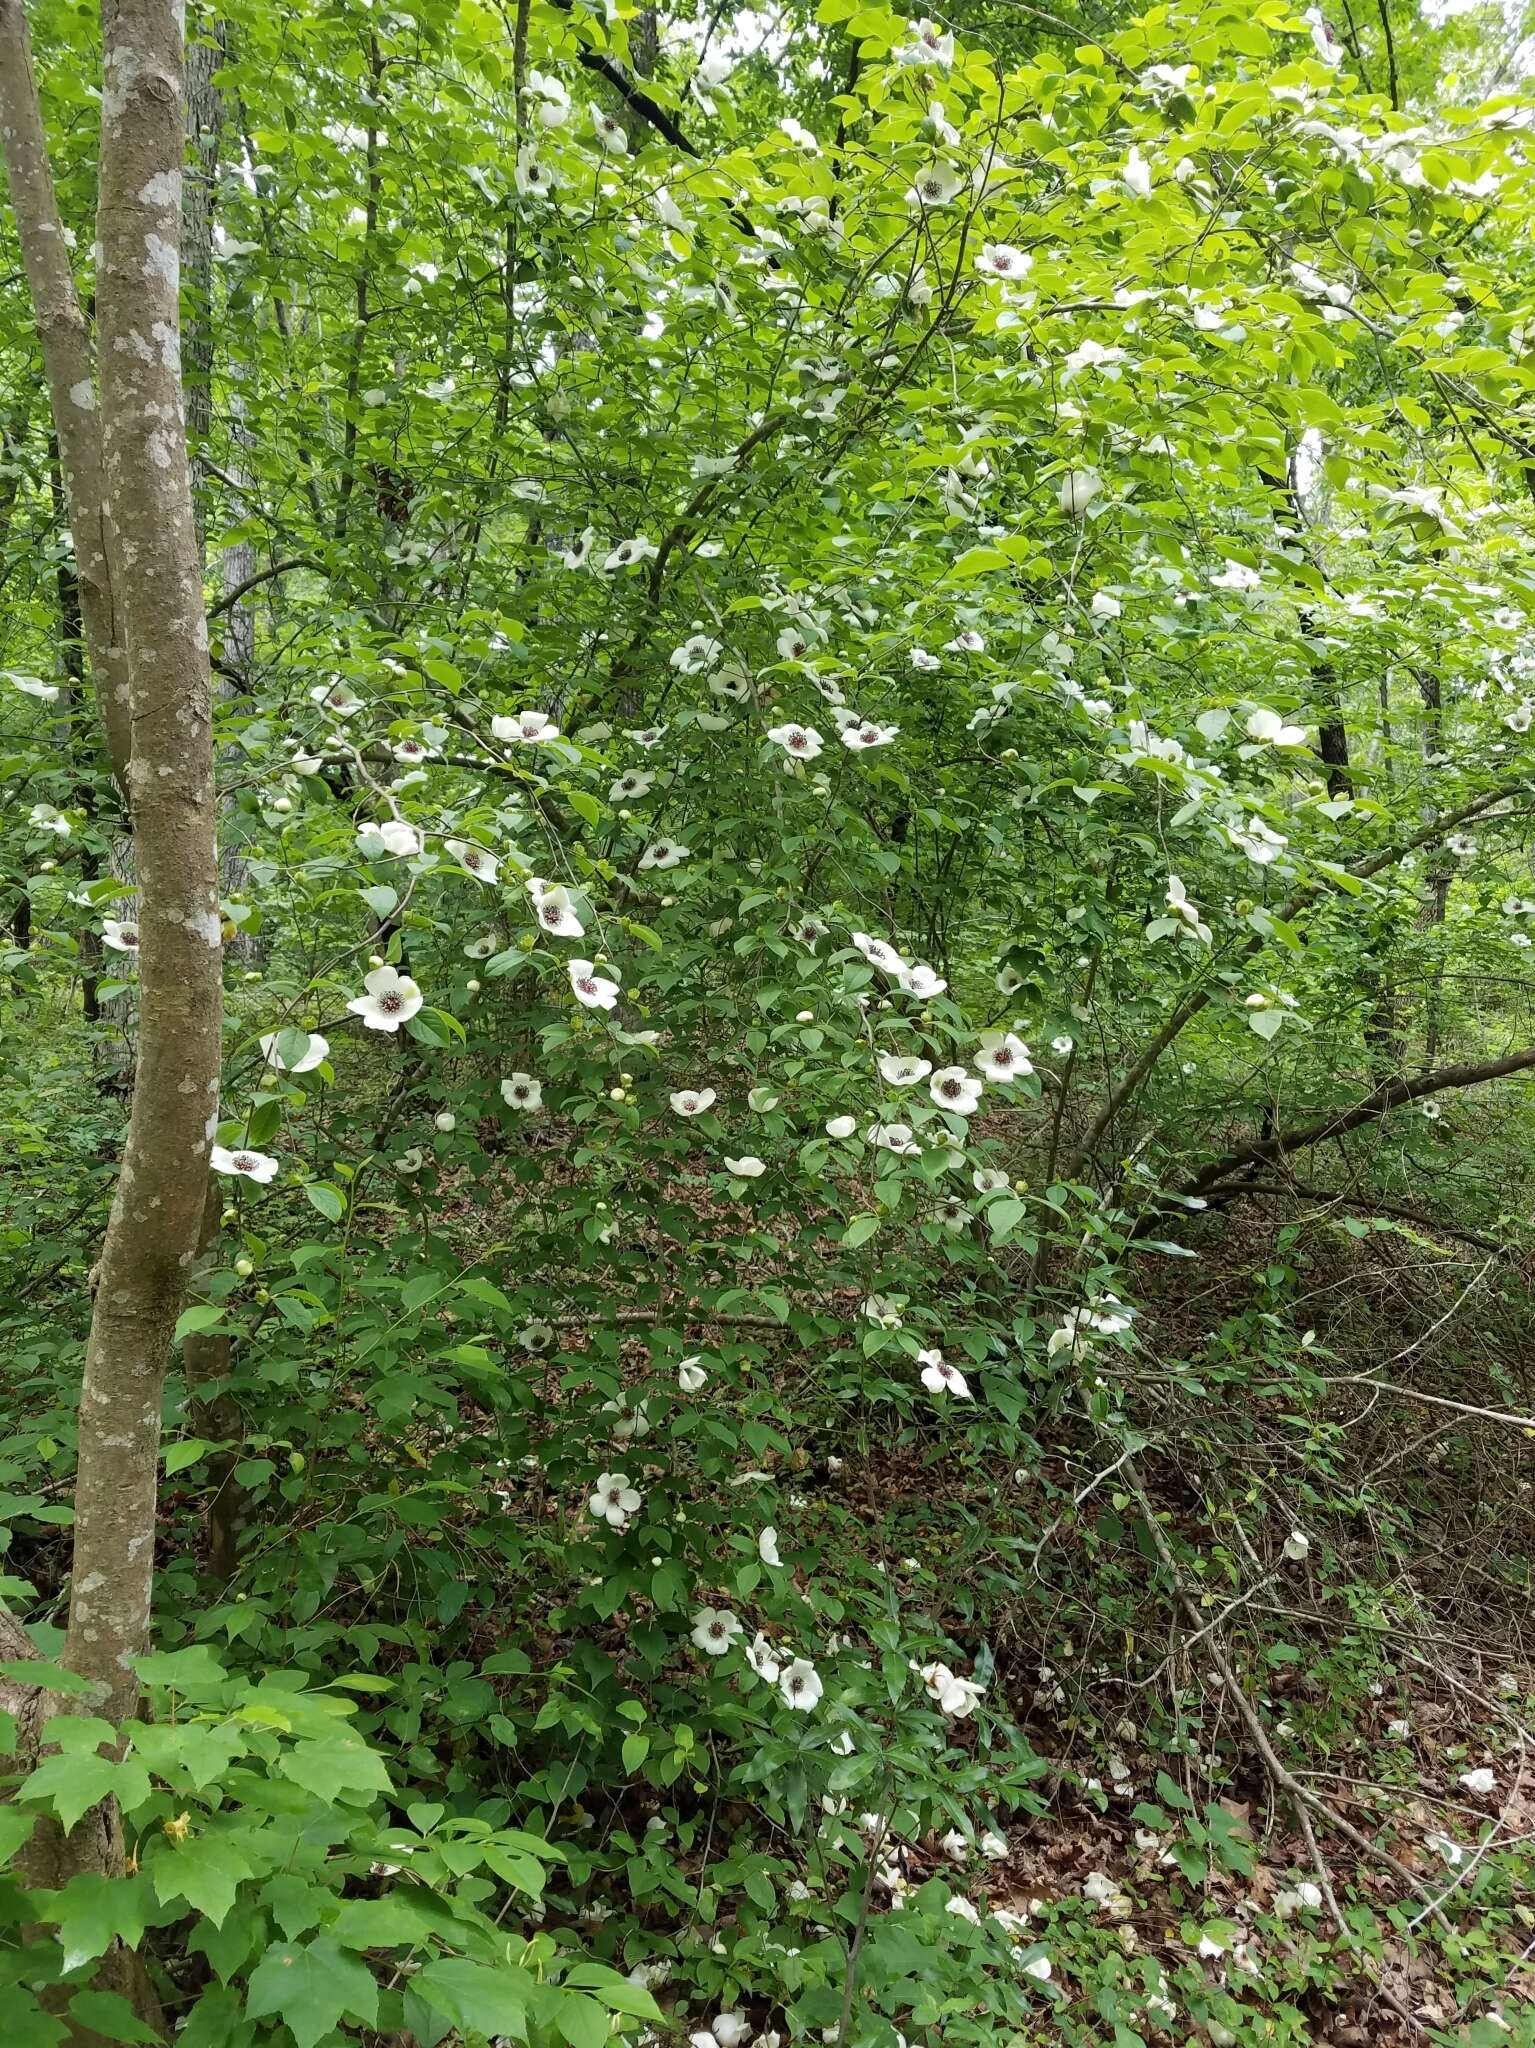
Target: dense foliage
874, 701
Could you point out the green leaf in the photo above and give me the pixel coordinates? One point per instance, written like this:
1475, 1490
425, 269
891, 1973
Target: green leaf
635, 1750
328, 1769
330, 1201
490, 1998
1003, 1218
205, 1870
200, 1316
70, 1784
108, 2013
93, 1911
584, 804
1265, 1022
15, 1827
859, 1231
185, 1451
309, 1988
582, 2021
380, 899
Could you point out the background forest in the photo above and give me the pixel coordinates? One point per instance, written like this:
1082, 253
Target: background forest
818, 1320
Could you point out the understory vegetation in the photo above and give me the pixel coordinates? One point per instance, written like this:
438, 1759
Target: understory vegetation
766, 1267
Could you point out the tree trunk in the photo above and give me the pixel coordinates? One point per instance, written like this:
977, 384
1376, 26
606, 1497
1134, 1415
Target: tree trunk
66, 347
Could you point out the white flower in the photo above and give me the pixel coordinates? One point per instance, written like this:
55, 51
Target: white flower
34, 686
955, 1696
121, 938
1003, 1057
531, 175
591, 990
254, 1166
715, 1630
800, 1684
1039, 1968
691, 1375
993, 1846
866, 734
920, 980
408, 751
1259, 842
952, 1088
801, 742
648, 736
1268, 729
315, 1049
578, 554
895, 1138
411, 1160
1519, 719
929, 46
1001, 259
481, 948
962, 1908
935, 185
527, 729
1323, 41
551, 102
336, 698
1236, 576
47, 819
610, 133
730, 2029
521, 1091
696, 654
748, 1167
628, 552
792, 644
664, 853
1480, 1781
628, 1422
841, 1126
1078, 489
398, 839
759, 1655
692, 1101
901, 1071
1105, 606
878, 954
989, 1180
767, 1548
614, 1500
1297, 1546
1178, 903
392, 999
923, 662
1136, 175
967, 642
1210, 1946
632, 783
939, 1378
473, 859
553, 910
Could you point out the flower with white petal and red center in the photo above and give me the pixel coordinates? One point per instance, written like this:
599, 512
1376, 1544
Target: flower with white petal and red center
865, 734
697, 653
337, 699
526, 729
799, 1685
664, 853
692, 1101
1003, 1057
715, 1630
952, 1088
614, 1500
246, 1165
879, 954
394, 837
1001, 259
632, 783
896, 1138
629, 552
315, 1049
121, 938
392, 999
552, 908
920, 980
591, 990
901, 1070
799, 742
934, 185
759, 1655
522, 1092
474, 860
939, 1378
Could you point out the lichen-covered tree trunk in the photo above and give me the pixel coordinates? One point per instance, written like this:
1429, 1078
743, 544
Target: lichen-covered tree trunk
68, 366
152, 1235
